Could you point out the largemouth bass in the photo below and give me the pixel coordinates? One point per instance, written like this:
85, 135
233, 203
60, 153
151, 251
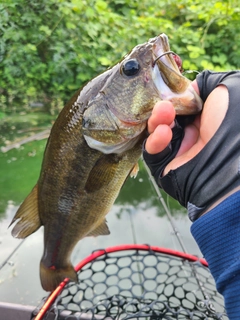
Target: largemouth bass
93, 147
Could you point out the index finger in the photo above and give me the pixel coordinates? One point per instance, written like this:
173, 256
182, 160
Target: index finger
163, 113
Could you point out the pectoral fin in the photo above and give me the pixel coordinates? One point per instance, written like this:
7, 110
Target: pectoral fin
102, 173
134, 171
27, 216
101, 230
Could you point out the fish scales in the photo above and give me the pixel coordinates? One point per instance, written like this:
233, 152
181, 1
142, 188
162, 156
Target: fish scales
93, 146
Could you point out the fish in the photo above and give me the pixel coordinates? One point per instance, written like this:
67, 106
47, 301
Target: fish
94, 146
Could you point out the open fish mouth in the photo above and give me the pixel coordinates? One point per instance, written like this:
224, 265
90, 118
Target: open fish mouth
114, 121
165, 61
176, 58
167, 58
170, 82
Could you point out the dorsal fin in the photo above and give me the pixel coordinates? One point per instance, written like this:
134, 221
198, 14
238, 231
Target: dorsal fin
27, 216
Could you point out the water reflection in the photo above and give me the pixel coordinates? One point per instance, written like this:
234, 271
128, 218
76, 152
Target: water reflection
7, 242
17, 126
19, 167
140, 193
19, 170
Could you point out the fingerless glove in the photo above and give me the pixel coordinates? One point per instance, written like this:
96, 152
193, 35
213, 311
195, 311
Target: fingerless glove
157, 162
215, 170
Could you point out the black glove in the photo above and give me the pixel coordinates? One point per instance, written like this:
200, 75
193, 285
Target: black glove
215, 170
157, 162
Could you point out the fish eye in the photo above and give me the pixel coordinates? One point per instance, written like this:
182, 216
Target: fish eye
130, 67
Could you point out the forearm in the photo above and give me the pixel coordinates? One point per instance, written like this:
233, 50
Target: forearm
218, 236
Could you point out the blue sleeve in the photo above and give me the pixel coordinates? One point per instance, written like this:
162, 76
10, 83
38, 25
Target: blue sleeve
217, 234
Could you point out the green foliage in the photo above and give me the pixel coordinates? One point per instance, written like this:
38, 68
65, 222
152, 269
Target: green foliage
50, 48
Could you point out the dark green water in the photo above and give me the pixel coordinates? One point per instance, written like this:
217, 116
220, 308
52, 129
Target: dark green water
19, 168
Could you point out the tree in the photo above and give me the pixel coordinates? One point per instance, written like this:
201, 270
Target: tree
50, 48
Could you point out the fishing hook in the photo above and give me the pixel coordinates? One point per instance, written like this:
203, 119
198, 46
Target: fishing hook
163, 54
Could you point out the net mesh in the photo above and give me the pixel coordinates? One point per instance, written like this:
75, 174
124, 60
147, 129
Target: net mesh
140, 284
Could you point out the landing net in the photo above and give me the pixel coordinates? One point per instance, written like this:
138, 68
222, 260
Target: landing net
136, 282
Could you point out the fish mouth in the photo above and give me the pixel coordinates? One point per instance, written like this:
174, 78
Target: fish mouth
170, 83
165, 59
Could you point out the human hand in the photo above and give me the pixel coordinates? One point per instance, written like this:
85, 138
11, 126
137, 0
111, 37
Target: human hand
196, 134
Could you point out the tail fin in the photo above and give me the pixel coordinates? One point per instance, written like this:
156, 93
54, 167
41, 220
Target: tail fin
52, 277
